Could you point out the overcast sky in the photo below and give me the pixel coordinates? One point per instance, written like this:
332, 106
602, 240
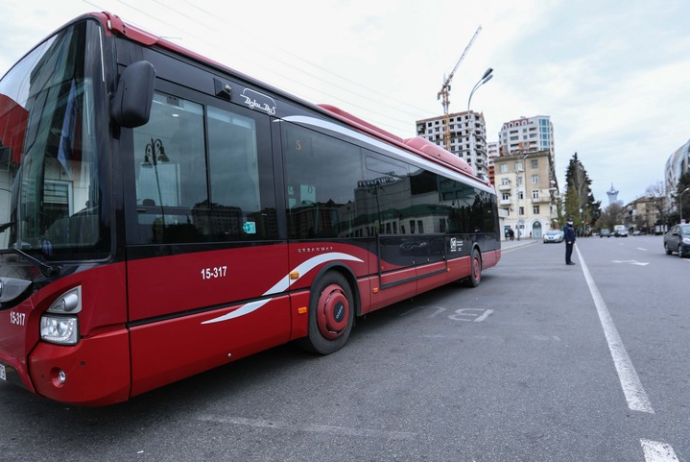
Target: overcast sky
614, 76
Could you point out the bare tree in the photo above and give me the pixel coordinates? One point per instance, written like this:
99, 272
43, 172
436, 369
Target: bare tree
611, 216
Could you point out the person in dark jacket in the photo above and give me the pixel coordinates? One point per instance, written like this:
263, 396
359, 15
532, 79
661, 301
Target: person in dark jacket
569, 238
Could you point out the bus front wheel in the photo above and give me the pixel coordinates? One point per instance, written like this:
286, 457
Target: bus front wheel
331, 315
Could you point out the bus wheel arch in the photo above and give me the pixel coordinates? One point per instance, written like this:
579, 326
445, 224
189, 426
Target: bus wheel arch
332, 308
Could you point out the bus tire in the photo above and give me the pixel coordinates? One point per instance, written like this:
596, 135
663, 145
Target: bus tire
331, 315
475, 269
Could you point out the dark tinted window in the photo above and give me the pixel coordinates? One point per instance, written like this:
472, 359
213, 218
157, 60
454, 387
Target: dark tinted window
322, 177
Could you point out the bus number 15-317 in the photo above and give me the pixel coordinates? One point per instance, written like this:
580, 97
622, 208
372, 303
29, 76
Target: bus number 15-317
214, 273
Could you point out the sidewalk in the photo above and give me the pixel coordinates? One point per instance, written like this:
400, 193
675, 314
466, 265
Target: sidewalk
507, 245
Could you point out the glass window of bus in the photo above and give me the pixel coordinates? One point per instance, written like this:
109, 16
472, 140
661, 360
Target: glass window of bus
178, 198
170, 169
239, 163
463, 202
323, 174
385, 192
47, 129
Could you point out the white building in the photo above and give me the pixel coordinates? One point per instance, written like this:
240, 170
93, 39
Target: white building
527, 134
527, 193
467, 137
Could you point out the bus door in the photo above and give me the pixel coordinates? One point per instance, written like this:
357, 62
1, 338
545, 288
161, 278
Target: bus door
386, 187
204, 260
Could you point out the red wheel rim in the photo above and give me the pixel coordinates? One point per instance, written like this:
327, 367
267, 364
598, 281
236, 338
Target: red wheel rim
476, 268
332, 312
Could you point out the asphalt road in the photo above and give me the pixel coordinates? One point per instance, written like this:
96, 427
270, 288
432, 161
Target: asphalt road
541, 362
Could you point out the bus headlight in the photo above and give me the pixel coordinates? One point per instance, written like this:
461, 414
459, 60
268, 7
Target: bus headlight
60, 329
63, 330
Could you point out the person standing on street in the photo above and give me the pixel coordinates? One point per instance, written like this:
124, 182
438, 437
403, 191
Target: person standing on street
569, 238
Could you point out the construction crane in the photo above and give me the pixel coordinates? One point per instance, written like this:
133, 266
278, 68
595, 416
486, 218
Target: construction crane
444, 93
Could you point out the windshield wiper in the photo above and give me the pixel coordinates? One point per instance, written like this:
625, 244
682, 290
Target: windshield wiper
45, 269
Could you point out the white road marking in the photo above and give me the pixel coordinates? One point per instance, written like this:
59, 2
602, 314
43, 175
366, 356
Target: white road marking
630, 382
655, 451
632, 262
642, 248
312, 428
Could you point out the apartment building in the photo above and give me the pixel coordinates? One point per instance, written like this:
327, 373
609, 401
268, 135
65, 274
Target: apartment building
646, 214
527, 134
527, 193
467, 137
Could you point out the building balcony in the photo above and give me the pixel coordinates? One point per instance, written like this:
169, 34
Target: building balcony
505, 202
541, 200
504, 187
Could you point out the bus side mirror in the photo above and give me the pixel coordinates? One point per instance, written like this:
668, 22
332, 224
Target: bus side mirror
131, 105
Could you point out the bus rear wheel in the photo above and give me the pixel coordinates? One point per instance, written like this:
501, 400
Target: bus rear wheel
331, 315
475, 269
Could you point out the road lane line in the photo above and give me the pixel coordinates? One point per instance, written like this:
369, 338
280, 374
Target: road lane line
311, 428
630, 382
655, 451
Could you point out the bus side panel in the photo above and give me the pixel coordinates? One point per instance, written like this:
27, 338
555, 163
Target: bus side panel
162, 286
366, 294
490, 258
299, 303
170, 350
458, 268
395, 286
431, 276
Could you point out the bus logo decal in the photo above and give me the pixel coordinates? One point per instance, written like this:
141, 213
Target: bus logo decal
256, 100
283, 284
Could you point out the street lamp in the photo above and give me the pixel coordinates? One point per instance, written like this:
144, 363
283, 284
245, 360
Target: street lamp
488, 75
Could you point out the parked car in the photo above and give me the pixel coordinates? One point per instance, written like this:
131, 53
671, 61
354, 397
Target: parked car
677, 239
605, 232
555, 236
620, 231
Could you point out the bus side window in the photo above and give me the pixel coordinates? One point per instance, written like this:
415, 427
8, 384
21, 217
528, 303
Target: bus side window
323, 175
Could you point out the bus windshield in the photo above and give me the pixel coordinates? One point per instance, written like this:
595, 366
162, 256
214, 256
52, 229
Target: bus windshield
49, 191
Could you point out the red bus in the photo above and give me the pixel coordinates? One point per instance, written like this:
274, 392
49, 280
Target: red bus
162, 215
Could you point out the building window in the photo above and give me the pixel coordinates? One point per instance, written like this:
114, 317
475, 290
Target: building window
535, 179
521, 195
535, 194
521, 210
505, 181
535, 163
504, 168
506, 196
535, 209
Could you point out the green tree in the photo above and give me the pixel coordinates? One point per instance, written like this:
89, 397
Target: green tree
579, 199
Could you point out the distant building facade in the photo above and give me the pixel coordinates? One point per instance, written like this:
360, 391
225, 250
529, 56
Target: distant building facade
676, 166
646, 215
467, 137
527, 193
527, 134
